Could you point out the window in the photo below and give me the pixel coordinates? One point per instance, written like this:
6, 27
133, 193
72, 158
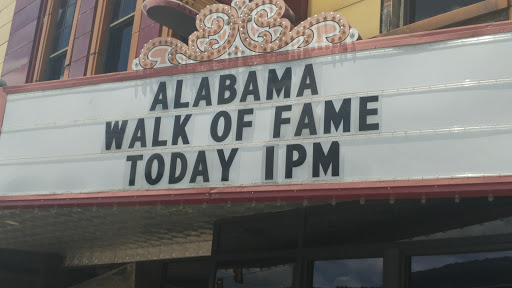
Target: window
423, 9
183, 38
491, 228
256, 276
59, 46
462, 270
119, 36
348, 273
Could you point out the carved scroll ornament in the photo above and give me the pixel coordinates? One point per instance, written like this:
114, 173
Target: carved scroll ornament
242, 29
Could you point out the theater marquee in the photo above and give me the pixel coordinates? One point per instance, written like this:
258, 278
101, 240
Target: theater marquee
264, 121
411, 112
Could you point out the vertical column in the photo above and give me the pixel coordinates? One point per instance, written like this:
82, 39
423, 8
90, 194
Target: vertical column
44, 43
99, 36
80, 44
390, 15
166, 32
509, 9
385, 16
22, 41
396, 269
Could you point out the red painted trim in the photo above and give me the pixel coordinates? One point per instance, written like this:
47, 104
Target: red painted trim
403, 189
3, 103
393, 41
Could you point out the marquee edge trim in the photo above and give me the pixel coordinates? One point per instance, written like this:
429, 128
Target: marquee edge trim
456, 188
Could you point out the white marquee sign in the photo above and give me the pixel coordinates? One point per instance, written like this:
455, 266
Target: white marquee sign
420, 111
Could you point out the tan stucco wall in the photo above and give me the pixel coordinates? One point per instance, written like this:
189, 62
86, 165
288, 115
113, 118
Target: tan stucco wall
6, 12
364, 15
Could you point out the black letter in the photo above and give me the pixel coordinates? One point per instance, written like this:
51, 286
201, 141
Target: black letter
139, 134
173, 178
156, 134
241, 123
364, 112
274, 83
160, 169
214, 128
177, 96
308, 81
326, 160
225, 87
336, 117
133, 167
251, 87
306, 121
226, 164
115, 134
179, 129
269, 163
160, 97
290, 162
279, 120
200, 168
203, 93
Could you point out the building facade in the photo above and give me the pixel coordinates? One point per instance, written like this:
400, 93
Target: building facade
301, 143
46, 29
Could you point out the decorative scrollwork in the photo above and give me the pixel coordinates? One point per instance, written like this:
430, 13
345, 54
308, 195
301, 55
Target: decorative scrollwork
242, 29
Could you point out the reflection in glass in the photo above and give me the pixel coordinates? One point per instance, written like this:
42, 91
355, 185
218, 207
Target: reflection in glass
462, 270
122, 8
62, 28
119, 48
183, 38
496, 227
119, 36
55, 68
279, 276
424, 9
61, 34
348, 273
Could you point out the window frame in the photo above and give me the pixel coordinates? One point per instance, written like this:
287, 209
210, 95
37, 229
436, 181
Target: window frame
98, 41
60, 53
116, 25
47, 40
409, 11
396, 254
100, 36
395, 22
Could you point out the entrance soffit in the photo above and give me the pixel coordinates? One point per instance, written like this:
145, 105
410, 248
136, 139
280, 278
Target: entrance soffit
99, 235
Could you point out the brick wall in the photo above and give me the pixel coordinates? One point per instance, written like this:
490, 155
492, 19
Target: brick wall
21, 43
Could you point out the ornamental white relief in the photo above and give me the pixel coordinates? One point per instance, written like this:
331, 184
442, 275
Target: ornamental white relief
243, 29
